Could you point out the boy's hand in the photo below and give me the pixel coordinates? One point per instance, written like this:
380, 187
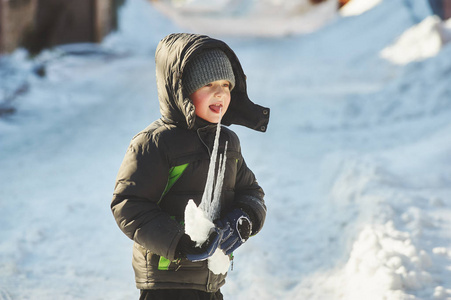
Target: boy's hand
236, 227
187, 248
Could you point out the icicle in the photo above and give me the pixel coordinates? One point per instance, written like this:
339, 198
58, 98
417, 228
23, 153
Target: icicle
200, 219
216, 204
208, 196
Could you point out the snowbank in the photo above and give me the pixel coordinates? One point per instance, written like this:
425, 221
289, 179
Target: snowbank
357, 7
419, 42
399, 209
420, 91
249, 18
355, 164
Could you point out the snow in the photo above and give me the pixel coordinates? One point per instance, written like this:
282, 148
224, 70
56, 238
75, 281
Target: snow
355, 163
355, 8
219, 263
267, 18
197, 224
421, 41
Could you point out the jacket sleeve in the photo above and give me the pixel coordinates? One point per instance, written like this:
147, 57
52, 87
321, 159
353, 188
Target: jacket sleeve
140, 183
249, 196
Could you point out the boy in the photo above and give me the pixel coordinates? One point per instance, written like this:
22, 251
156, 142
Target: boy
198, 80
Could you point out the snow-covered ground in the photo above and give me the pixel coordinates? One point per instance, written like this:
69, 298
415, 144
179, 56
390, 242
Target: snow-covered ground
356, 163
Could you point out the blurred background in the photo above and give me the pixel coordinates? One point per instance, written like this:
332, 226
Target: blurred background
40, 24
35, 25
355, 164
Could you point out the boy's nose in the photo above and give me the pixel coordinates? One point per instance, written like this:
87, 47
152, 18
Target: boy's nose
219, 91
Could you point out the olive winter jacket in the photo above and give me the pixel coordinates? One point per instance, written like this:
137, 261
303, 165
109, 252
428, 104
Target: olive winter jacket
167, 163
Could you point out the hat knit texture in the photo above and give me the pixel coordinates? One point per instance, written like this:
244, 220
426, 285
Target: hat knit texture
208, 66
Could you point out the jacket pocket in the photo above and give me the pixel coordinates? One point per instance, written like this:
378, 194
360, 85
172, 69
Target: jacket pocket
163, 264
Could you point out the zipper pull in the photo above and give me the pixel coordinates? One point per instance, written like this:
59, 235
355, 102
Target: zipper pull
178, 264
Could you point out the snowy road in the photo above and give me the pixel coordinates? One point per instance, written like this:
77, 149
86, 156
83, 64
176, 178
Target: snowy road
355, 165
61, 171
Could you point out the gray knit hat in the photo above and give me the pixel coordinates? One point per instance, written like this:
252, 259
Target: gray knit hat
207, 67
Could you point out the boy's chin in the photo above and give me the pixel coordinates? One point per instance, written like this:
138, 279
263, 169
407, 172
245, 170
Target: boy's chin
203, 121
211, 119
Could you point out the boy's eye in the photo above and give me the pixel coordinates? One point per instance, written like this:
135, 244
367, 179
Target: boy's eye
223, 85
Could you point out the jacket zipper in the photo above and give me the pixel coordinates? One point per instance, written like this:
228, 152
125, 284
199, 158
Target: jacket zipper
178, 264
200, 138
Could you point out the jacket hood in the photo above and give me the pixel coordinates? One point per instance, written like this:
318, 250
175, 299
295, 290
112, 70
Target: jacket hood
171, 57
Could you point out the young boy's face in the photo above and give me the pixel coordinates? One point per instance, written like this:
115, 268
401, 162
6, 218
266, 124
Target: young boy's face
212, 100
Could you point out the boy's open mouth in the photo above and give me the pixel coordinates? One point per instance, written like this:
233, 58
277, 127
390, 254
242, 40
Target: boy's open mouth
216, 108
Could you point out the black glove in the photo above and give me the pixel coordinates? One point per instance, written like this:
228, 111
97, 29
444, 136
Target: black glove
236, 227
187, 248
